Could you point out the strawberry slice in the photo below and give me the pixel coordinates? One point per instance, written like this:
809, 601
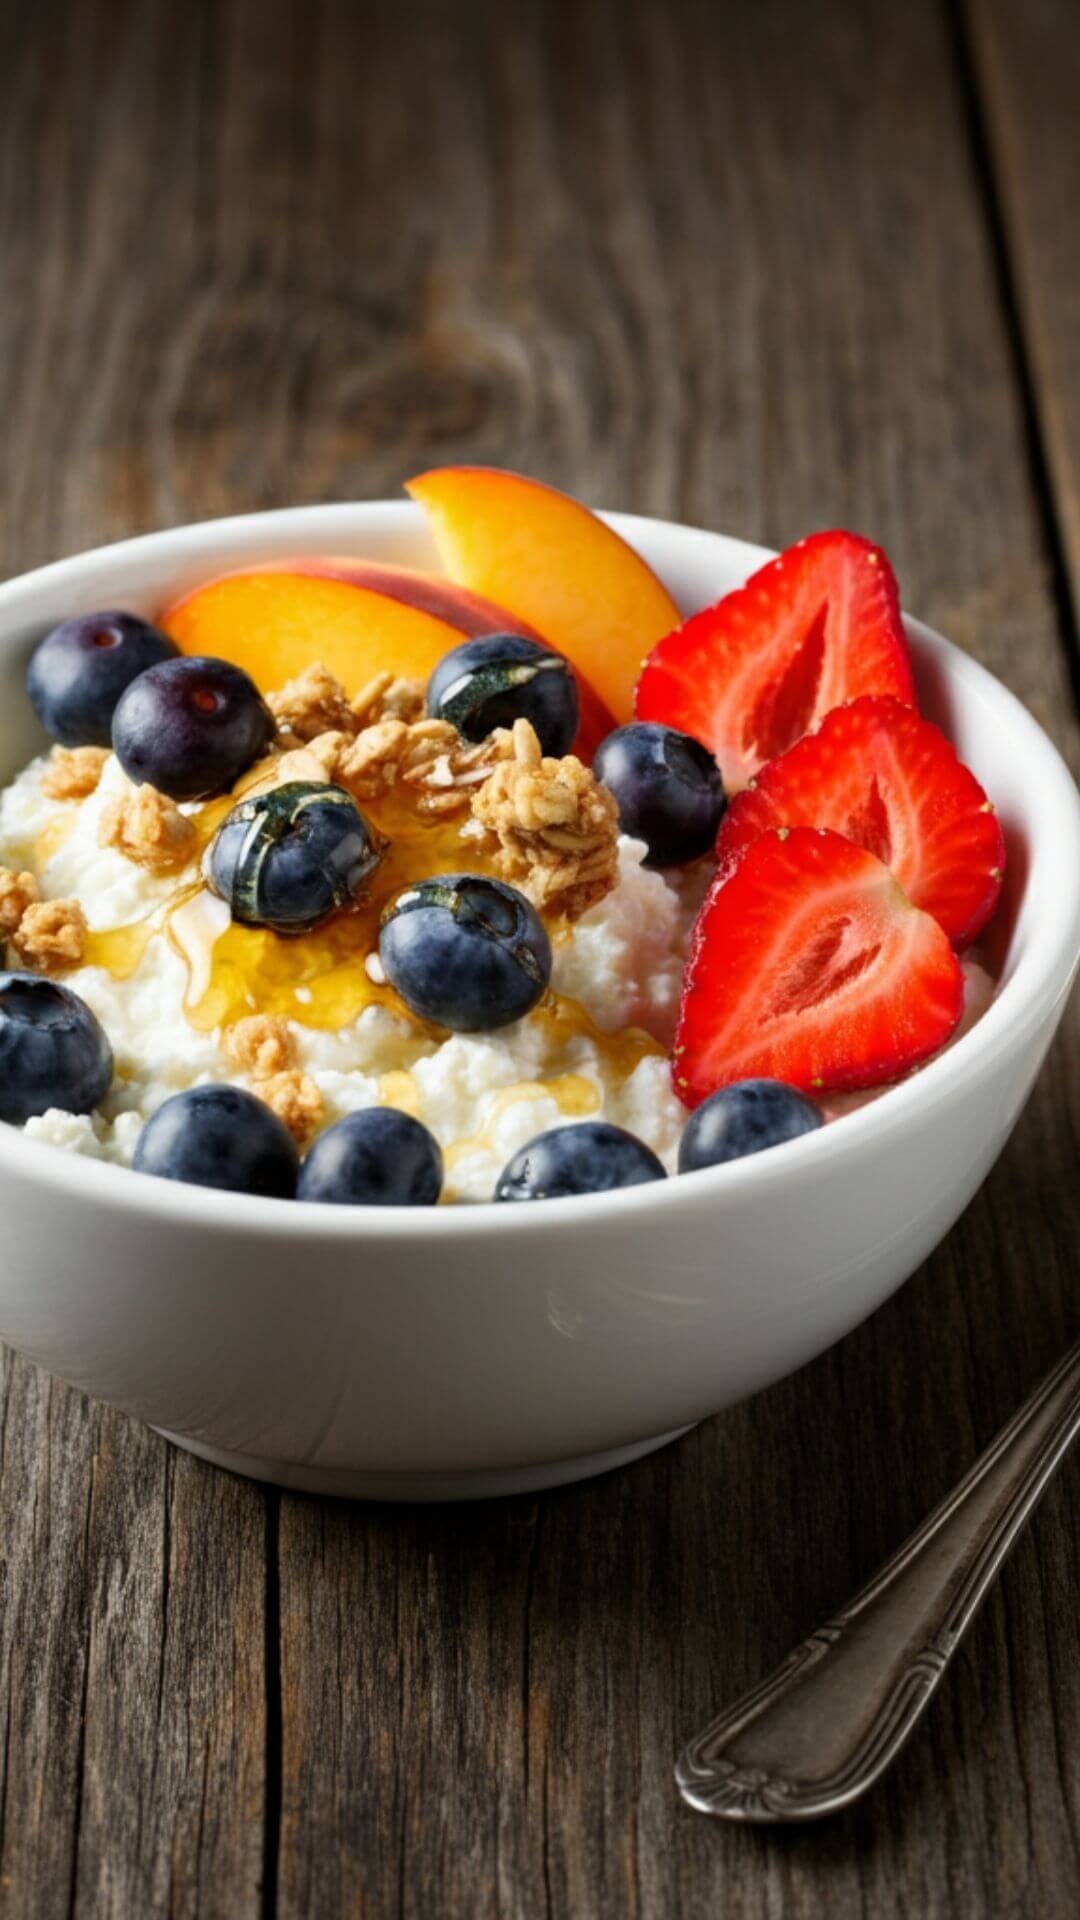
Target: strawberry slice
809, 964
890, 781
809, 631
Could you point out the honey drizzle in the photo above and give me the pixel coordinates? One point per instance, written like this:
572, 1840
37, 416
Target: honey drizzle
119, 949
320, 979
574, 1096
619, 1052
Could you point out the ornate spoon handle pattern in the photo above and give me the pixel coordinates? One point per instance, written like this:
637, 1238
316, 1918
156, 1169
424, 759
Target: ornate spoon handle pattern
821, 1729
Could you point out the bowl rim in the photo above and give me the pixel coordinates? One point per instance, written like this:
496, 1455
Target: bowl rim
1026, 1001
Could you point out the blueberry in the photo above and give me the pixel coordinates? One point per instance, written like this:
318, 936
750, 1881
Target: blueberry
53, 1050
590, 1156
287, 858
219, 1137
668, 787
492, 682
79, 671
190, 727
374, 1158
744, 1118
466, 952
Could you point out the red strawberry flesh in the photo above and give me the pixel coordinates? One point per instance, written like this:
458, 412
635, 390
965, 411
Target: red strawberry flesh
809, 964
889, 780
811, 630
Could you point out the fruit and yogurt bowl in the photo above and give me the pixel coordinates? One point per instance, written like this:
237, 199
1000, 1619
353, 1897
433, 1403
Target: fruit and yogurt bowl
569, 859
286, 916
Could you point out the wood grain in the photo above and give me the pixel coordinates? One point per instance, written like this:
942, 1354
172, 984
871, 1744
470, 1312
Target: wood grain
738, 266
1027, 64
132, 1668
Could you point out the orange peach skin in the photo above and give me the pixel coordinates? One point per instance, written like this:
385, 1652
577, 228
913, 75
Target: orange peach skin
469, 613
554, 564
356, 617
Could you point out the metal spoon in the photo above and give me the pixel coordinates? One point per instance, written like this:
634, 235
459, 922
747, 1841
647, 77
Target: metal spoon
821, 1729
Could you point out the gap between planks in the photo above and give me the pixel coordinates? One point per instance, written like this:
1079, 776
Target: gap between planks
988, 189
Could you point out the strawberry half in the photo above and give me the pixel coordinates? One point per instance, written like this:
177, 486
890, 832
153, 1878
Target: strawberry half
809, 631
890, 781
809, 964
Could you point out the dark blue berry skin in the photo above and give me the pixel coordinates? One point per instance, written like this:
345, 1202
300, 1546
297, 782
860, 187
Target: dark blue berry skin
501, 678
53, 1050
375, 1158
219, 1137
190, 727
668, 788
287, 858
591, 1156
79, 671
465, 952
746, 1117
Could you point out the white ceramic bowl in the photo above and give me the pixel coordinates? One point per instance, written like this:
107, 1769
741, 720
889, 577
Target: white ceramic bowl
498, 1349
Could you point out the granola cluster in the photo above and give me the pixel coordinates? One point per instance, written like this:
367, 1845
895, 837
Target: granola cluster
388, 697
316, 702
379, 741
49, 935
262, 1047
73, 773
551, 828
296, 1100
430, 759
314, 761
311, 704
149, 829
18, 891
554, 827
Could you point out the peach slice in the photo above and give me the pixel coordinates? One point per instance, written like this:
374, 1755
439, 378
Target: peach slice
432, 593
274, 623
554, 564
355, 616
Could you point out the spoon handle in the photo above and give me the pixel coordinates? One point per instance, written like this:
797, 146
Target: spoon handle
819, 1731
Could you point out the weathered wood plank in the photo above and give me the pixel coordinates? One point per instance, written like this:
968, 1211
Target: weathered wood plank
132, 1590
132, 1654
46, 1478
1027, 66
175, 1679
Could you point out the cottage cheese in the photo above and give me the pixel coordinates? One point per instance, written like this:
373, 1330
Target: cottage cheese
482, 1095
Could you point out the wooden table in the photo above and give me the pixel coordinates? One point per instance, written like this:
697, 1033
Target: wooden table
760, 267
